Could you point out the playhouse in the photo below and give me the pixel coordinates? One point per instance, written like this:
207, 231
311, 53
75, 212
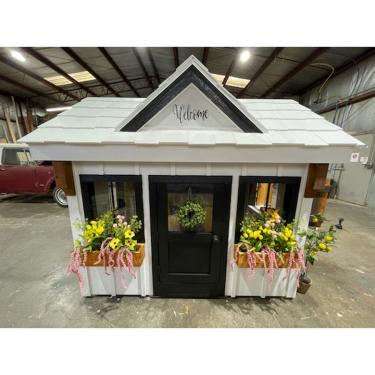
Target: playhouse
189, 138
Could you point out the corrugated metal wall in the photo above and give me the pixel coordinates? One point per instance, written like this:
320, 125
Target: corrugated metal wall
356, 181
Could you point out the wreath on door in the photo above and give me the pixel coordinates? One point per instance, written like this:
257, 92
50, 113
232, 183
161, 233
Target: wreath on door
190, 215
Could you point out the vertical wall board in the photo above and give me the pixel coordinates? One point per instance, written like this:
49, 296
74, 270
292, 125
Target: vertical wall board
74, 215
147, 262
231, 276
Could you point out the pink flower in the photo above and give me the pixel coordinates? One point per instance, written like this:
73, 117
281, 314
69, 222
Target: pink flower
114, 225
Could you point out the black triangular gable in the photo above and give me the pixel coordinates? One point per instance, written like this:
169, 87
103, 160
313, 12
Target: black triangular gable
191, 75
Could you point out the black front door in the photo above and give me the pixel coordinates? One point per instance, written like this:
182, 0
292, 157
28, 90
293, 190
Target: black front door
189, 264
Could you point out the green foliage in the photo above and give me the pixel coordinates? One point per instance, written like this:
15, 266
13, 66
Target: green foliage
318, 240
136, 224
191, 214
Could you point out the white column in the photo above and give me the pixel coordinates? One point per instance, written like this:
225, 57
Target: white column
146, 269
232, 274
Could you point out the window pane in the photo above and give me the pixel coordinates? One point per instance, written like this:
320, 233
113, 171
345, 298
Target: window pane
124, 198
11, 156
101, 198
176, 199
22, 157
262, 196
119, 196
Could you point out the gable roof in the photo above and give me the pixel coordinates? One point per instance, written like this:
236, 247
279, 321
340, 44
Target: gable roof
92, 130
192, 71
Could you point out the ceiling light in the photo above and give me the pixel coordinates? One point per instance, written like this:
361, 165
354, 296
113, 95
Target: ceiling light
57, 109
245, 55
79, 77
232, 81
17, 55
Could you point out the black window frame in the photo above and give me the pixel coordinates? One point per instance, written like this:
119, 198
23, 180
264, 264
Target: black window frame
293, 186
85, 179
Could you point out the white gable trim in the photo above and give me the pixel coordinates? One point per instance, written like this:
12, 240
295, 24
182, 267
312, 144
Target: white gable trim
191, 61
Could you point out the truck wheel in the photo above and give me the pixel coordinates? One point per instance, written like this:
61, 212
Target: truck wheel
60, 197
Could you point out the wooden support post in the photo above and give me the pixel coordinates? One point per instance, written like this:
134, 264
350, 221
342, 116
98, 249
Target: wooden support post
16, 117
9, 124
29, 117
23, 123
5, 132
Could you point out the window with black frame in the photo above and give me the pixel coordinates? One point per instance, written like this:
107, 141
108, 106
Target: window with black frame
257, 194
121, 194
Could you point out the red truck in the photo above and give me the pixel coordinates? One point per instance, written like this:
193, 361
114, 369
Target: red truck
20, 174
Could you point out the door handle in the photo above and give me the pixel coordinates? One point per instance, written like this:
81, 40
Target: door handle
215, 238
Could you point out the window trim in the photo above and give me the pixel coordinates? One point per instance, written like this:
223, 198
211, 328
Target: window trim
264, 179
136, 179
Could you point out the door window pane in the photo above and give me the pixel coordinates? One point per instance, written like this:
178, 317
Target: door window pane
177, 199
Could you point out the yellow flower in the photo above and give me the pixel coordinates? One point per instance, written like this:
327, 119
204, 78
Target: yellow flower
114, 243
129, 233
329, 248
260, 237
322, 246
99, 230
328, 238
245, 235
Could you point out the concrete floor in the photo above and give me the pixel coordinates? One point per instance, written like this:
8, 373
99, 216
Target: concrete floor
35, 240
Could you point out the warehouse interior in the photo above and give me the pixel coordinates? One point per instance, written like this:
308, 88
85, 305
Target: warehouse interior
338, 83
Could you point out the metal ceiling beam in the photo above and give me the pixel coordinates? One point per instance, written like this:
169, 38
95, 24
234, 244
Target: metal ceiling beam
363, 56
259, 72
24, 87
155, 69
205, 55
56, 68
140, 62
31, 74
75, 57
230, 68
176, 58
118, 70
308, 60
352, 100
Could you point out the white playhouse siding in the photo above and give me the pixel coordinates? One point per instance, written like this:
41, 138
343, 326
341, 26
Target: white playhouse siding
237, 281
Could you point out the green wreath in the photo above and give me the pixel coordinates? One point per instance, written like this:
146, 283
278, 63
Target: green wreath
191, 214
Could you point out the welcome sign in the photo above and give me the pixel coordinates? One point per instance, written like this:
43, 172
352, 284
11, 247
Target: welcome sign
187, 113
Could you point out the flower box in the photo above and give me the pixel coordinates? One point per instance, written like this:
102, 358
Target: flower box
241, 261
92, 258
262, 280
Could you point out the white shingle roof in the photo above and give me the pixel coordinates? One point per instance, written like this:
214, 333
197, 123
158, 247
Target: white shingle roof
95, 120
290, 132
